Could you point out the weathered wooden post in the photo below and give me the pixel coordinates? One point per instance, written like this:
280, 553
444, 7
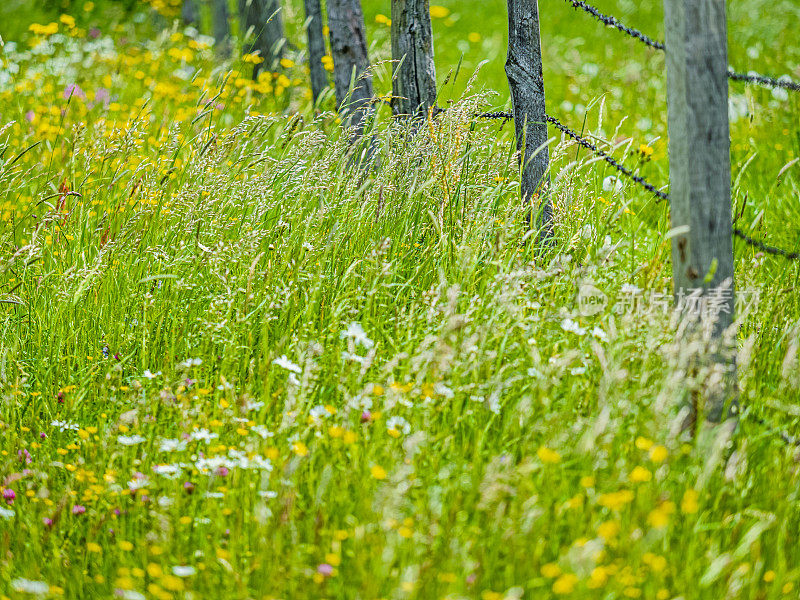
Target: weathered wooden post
526, 81
263, 19
190, 15
221, 27
700, 169
414, 84
351, 75
316, 48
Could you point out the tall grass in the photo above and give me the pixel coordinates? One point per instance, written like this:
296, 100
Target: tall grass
233, 366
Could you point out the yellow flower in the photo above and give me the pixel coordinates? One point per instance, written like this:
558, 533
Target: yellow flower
769, 576
565, 584
662, 594
154, 570
67, 20
300, 449
654, 561
253, 59
646, 150
287, 63
642, 443
349, 437
551, 570
172, 583
93, 547
640, 475
658, 453
383, 20
405, 532
575, 502
548, 456
378, 472
598, 578
125, 546
333, 559
474, 37
608, 530
439, 12
659, 517
615, 500
44, 30
689, 504
587, 481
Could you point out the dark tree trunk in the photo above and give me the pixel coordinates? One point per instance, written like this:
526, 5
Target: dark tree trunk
221, 26
316, 48
189, 13
414, 85
525, 78
350, 62
263, 22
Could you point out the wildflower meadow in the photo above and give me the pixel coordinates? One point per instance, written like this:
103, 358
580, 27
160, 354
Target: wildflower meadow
237, 364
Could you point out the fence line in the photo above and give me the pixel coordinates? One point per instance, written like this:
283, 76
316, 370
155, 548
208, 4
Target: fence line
611, 21
582, 141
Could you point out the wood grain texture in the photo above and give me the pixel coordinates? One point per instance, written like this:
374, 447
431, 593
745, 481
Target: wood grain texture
351, 76
414, 84
699, 157
264, 20
316, 48
526, 81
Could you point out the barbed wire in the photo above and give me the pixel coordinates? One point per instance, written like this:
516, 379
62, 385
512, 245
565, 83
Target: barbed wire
786, 84
610, 21
598, 152
756, 78
507, 116
787, 254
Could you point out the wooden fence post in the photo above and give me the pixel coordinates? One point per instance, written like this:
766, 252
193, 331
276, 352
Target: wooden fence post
316, 48
220, 18
700, 169
526, 81
350, 62
190, 15
414, 85
264, 20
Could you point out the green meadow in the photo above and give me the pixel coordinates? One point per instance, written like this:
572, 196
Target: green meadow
234, 366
